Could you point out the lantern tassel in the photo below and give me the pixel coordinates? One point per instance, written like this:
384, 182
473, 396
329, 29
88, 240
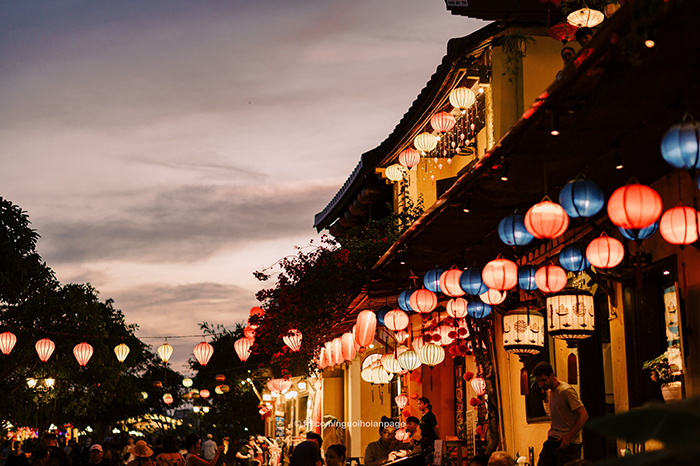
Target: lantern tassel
573, 372
524, 382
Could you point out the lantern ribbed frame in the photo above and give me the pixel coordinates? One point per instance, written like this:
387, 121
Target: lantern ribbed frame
634, 206
526, 278
409, 360
512, 231
396, 320
165, 351
449, 283
348, 346
443, 332
431, 354
381, 376
500, 274
7, 342
395, 172
637, 235
391, 364
82, 352
279, 385
550, 278
404, 300
409, 158
680, 146
581, 198
371, 359
471, 282
478, 385
585, 18
44, 348
431, 280
680, 225
338, 351
442, 122
401, 336
457, 308
121, 351
425, 142
478, 309
242, 347
417, 343
573, 258
571, 314
367, 375
493, 297
462, 98
401, 401
523, 331
546, 220
366, 328
423, 301
293, 340
605, 252
202, 352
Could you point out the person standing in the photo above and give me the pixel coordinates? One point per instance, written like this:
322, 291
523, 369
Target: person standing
429, 430
564, 442
247, 452
57, 456
16, 457
96, 454
193, 444
208, 448
170, 456
308, 453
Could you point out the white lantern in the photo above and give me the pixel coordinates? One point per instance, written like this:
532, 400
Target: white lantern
462, 98
391, 364
395, 172
571, 314
431, 354
409, 361
165, 351
523, 332
425, 142
585, 18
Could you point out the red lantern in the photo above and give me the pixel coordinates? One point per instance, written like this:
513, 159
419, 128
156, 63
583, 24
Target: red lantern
348, 346
255, 311
417, 343
220, 377
293, 340
167, 399
249, 332
634, 206
443, 332
605, 252
409, 158
158, 384
242, 347
44, 348
680, 225
550, 278
493, 297
83, 353
401, 336
401, 435
366, 328
449, 283
546, 220
396, 320
204, 393
500, 274
457, 308
321, 360
401, 401
203, 352
279, 385
479, 386
7, 342
563, 32
337, 351
442, 122
423, 301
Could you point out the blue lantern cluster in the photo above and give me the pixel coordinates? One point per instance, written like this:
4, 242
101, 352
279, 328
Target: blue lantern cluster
581, 198
512, 231
680, 145
404, 300
381, 312
431, 280
478, 309
573, 258
637, 235
526, 278
471, 283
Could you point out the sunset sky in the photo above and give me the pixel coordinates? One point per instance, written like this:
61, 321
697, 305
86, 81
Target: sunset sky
166, 149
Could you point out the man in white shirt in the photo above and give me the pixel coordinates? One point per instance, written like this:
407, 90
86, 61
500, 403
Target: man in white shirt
209, 448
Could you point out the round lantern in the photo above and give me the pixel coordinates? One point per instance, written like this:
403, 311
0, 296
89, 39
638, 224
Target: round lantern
220, 377
550, 278
395, 172
409, 158
431, 280
367, 375
471, 283
442, 122
585, 18
404, 300
225, 388
293, 340
462, 98
187, 382
478, 385
366, 328
381, 313
680, 146
423, 301
279, 385
449, 283
165, 351
167, 398
526, 278
242, 347
158, 384
408, 360
401, 401
338, 351
634, 206
256, 311
563, 32
605, 252
457, 308
512, 231
348, 346
443, 332
121, 351
523, 332
381, 376
204, 393
417, 343
571, 314
203, 352
401, 435
249, 332
401, 336
425, 142
371, 359
83, 353
321, 359
573, 258
396, 320
478, 310
218, 390
7, 342
546, 220
431, 354
638, 235
500, 274
680, 225
581, 198
44, 348
391, 364
492, 297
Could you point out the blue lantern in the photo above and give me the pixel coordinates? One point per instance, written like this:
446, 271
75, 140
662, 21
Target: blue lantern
526, 278
478, 310
573, 258
381, 312
404, 300
680, 146
471, 283
637, 235
431, 280
581, 198
512, 231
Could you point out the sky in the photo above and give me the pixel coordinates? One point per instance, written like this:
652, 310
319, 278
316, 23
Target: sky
166, 149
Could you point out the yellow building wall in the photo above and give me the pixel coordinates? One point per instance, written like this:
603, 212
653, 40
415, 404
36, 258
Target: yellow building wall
333, 405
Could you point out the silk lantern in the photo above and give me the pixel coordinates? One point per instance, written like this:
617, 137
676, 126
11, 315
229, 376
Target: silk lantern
203, 352
680, 146
168, 399
395, 172
457, 308
638, 235
44, 348
417, 343
500, 274
165, 351
396, 320
431, 354
204, 393
444, 332
348, 347
391, 364
585, 18
605, 252
409, 158
462, 98
449, 283
581, 198
279, 385
401, 401
471, 282
409, 360
401, 336
550, 278
425, 142
381, 313
7, 342
526, 278
634, 206
404, 300
423, 301
220, 377
249, 332
242, 347
680, 225
381, 376
493, 297
478, 309
121, 351
512, 231
478, 385
546, 220
573, 258
338, 351
293, 340
431, 280
256, 311
523, 331
366, 328
82, 352
442, 122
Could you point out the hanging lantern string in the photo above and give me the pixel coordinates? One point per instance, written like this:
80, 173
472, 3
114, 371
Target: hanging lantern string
83, 335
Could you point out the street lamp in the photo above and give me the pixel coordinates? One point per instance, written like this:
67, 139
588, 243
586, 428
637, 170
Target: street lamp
41, 386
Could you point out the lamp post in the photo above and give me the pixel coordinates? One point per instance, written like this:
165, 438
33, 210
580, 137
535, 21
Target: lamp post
41, 386
200, 411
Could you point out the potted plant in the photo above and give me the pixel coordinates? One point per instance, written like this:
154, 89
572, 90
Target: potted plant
664, 373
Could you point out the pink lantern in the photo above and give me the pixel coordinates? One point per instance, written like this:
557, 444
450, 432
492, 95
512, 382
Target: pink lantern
44, 348
203, 352
462, 329
396, 320
493, 297
401, 435
605, 252
550, 278
337, 351
255, 311
321, 360
457, 308
409, 158
249, 332
449, 283
242, 347
444, 333
680, 225
423, 301
401, 336
83, 353
168, 399
7, 342
417, 343
546, 220
330, 353
479, 386
279, 385
348, 346
442, 122
293, 340
204, 393
500, 274
366, 328
401, 401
